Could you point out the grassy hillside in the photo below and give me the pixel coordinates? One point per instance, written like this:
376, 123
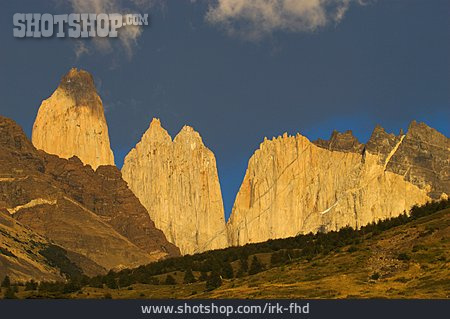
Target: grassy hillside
405, 257
22, 253
409, 261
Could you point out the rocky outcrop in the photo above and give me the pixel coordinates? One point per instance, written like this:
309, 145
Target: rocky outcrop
92, 214
383, 144
423, 158
71, 122
421, 155
177, 182
344, 142
293, 186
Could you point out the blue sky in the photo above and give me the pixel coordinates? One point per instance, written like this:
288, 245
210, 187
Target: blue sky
237, 79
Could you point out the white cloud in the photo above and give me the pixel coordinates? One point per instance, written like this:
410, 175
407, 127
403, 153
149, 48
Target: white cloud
257, 18
250, 19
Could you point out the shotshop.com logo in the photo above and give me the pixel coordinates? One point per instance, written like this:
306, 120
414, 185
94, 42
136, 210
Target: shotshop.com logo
74, 25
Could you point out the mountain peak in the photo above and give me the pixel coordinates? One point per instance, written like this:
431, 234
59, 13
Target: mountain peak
178, 184
423, 132
344, 142
378, 129
189, 135
72, 122
12, 136
156, 122
156, 132
415, 126
79, 84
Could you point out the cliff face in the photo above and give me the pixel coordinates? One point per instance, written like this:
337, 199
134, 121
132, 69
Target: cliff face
177, 182
423, 158
92, 214
71, 122
293, 186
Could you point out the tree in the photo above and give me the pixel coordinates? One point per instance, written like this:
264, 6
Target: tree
170, 280
203, 276
240, 273
243, 268
31, 285
96, 282
10, 294
189, 277
111, 283
71, 286
244, 263
276, 258
214, 281
52, 287
255, 267
227, 271
125, 280
6, 283
154, 281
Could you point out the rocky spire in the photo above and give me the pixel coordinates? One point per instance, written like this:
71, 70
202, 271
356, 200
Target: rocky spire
71, 122
177, 182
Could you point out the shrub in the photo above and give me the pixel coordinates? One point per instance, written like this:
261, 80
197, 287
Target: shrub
403, 257
375, 276
352, 249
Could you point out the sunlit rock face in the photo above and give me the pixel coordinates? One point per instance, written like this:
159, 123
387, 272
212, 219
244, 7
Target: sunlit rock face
91, 214
293, 186
177, 182
71, 122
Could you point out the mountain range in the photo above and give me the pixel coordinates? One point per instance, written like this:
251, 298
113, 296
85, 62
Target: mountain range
61, 193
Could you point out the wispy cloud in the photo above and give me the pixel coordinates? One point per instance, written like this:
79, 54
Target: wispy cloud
80, 49
127, 36
257, 18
